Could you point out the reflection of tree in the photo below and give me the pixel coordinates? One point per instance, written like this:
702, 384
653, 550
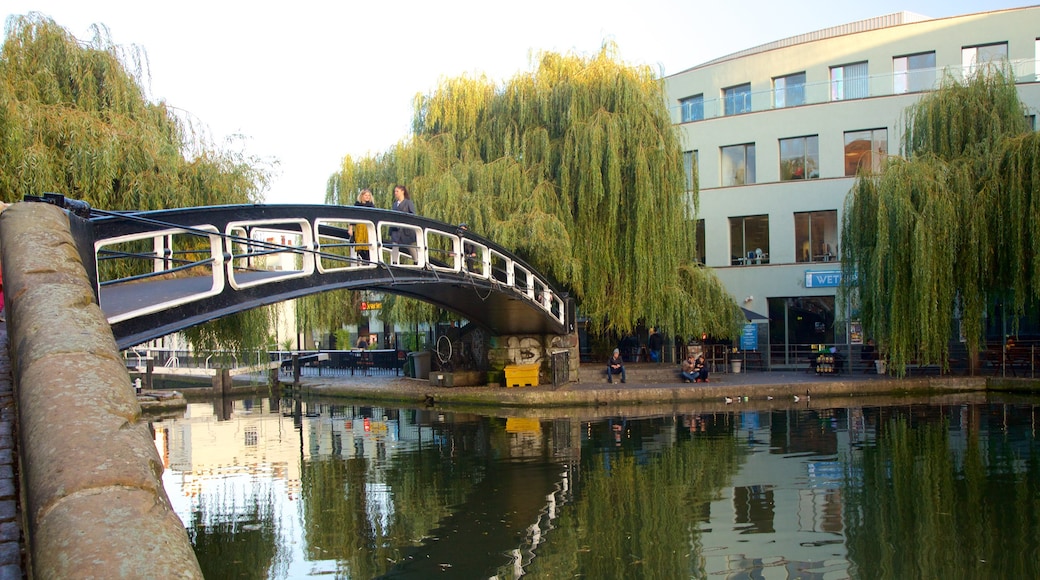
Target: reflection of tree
919, 512
367, 531
240, 545
638, 518
798, 168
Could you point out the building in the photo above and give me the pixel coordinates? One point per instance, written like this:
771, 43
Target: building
777, 133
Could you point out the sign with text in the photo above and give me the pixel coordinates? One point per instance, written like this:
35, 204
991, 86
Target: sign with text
749, 338
822, 278
365, 306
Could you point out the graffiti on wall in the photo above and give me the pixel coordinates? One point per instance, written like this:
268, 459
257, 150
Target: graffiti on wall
525, 350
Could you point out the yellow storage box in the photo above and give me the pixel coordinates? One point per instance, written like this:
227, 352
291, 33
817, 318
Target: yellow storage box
522, 375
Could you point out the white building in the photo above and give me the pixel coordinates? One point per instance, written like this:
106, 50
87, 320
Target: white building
778, 131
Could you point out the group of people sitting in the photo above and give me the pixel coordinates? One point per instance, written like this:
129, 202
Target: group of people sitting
694, 369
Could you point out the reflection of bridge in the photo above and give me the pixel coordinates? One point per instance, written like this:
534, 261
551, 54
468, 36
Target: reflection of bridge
159, 272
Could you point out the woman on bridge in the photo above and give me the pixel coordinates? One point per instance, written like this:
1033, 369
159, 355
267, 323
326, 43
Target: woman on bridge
364, 199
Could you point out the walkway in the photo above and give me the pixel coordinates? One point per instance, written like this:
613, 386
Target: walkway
649, 385
10, 518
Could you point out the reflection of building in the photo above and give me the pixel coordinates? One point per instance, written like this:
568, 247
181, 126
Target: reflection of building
258, 440
778, 132
776, 507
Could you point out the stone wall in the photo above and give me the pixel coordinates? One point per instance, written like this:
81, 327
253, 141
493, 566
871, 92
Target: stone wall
94, 505
535, 349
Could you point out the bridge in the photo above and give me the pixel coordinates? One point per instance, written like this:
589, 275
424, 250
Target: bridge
158, 272
76, 278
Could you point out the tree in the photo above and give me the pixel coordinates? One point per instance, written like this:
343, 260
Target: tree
74, 120
576, 167
949, 226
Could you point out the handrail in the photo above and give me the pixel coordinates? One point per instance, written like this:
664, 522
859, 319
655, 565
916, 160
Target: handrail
1025, 71
244, 247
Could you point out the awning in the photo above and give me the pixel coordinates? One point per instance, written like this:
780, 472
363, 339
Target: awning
753, 316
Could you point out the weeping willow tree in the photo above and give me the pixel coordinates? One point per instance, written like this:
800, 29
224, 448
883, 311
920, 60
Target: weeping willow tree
948, 227
75, 120
577, 168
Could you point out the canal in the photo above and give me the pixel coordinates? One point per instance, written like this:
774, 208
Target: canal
283, 488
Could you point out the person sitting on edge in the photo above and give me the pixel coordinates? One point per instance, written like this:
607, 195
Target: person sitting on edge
615, 366
700, 370
689, 364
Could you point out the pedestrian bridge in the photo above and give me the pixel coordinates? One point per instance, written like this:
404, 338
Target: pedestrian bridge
158, 272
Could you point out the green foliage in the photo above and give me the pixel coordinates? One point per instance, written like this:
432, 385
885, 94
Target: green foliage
576, 167
949, 226
74, 120
238, 334
927, 505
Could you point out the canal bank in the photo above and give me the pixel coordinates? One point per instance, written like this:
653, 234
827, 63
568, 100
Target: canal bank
92, 499
765, 388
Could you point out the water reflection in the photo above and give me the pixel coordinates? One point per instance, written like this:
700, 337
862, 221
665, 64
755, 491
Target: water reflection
285, 489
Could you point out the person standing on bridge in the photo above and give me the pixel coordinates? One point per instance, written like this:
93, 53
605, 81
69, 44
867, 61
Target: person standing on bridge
402, 237
359, 231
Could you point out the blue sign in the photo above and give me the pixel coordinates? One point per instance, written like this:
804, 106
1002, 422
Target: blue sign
822, 278
749, 338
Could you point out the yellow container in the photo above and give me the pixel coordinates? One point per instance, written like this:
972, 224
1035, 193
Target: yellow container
522, 375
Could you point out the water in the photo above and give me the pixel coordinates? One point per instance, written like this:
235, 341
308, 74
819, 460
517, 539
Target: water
272, 488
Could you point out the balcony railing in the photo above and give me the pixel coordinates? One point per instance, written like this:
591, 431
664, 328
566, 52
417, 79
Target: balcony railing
883, 85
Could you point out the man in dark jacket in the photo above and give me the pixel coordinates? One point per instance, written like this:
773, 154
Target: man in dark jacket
615, 366
654, 344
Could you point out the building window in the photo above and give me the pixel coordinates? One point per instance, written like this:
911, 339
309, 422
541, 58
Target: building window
749, 240
700, 243
914, 73
737, 99
865, 150
692, 108
816, 236
800, 158
690, 161
789, 91
973, 57
849, 81
738, 164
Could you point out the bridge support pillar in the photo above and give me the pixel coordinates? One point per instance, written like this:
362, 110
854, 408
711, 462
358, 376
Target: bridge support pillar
525, 349
222, 382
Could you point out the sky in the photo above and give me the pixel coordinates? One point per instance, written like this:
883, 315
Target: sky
303, 84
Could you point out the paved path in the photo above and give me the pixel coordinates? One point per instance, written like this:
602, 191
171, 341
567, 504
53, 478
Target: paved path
651, 388
10, 517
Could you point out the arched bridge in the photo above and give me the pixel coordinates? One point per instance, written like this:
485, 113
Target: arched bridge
158, 272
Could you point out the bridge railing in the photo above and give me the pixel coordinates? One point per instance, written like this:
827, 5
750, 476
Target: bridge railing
232, 250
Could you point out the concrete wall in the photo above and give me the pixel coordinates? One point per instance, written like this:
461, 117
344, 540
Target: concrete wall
93, 500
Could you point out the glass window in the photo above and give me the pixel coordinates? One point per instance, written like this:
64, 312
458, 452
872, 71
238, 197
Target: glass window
690, 169
737, 99
749, 240
700, 243
801, 320
849, 81
800, 158
973, 57
816, 236
865, 150
692, 108
738, 164
789, 91
914, 73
